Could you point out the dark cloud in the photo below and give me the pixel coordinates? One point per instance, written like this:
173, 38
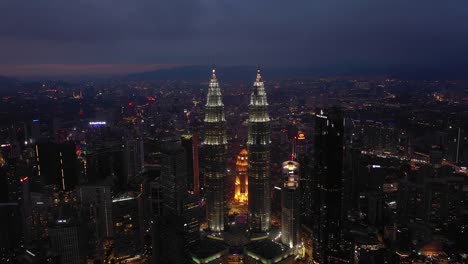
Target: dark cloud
273, 32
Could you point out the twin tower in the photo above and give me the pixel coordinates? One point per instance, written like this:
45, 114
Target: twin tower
259, 157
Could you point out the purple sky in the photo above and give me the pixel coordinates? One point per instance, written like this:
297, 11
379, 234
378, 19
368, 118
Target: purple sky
61, 37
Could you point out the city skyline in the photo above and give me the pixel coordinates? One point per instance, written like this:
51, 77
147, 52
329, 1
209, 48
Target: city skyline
234, 132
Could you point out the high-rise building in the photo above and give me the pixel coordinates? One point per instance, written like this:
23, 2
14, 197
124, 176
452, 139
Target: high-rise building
127, 218
26, 206
64, 240
176, 222
173, 179
241, 183
11, 238
328, 177
190, 144
290, 206
259, 158
35, 130
301, 154
133, 157
107, 159
96, 205
58, 164
215, 156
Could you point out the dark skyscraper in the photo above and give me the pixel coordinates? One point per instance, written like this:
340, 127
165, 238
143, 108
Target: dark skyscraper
302, 155
215, 156
190, 144
327, 176
176, 230
96, 202
10, 229
57, 164
126, 216
259, 158
64, 240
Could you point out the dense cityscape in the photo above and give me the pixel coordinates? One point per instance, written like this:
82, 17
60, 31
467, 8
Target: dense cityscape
313, 170
233, 132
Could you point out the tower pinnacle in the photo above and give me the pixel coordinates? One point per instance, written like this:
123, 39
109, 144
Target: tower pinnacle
259, 76
213, 74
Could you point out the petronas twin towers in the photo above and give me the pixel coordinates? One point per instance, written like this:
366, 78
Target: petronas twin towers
215, 156
258, 157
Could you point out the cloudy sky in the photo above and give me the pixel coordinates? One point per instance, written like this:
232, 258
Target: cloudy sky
41, 37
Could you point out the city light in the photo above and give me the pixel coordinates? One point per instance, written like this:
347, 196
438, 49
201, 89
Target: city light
97, 123
24, 179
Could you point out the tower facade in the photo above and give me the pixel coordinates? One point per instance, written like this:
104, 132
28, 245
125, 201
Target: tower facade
290, 206
190, 144
258, 143
327, 177
215, 156
241, 184
64, 240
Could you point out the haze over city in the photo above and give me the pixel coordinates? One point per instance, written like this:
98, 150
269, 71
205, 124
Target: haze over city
65, 38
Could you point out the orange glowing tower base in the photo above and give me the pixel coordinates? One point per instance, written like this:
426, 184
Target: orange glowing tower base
241, 192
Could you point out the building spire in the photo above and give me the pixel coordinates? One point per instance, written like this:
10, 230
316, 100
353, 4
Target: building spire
259, 76
258, 96
213, 73
214, 92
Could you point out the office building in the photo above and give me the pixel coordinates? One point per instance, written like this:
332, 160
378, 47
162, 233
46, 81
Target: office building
96, 213
63, 235
127, 219
190, 144
57, 164
328, 176
176, 211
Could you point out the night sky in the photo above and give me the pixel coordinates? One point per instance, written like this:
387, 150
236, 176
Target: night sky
43, 37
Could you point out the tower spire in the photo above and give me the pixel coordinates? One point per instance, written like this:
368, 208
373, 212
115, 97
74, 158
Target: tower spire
259, 75
213, 73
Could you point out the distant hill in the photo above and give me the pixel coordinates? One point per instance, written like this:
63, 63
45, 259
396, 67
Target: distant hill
226, 73
247, 73
195, 73
7, 85
7, 80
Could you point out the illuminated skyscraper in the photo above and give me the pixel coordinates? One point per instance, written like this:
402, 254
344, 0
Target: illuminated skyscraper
215, 156
290, 207
242, 182
259, 158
